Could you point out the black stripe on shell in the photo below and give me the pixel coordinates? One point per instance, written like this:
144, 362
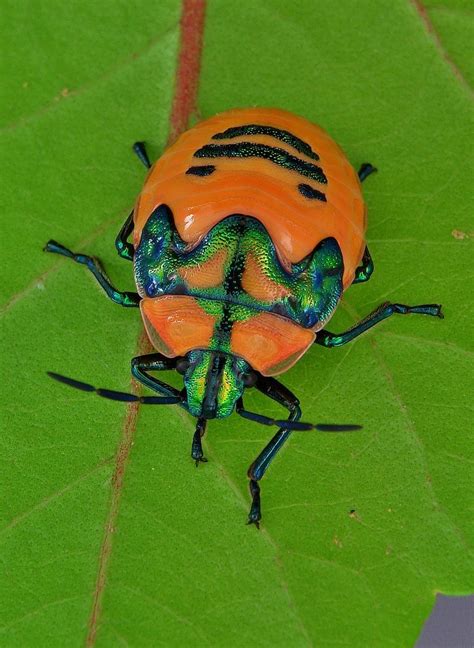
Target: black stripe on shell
259, 129
309, 192
272, 153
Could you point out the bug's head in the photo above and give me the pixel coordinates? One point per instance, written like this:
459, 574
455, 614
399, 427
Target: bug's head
214, 381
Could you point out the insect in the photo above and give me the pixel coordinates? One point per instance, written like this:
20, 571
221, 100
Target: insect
246, 233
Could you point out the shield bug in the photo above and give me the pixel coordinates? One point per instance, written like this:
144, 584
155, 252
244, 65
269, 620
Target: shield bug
246, 233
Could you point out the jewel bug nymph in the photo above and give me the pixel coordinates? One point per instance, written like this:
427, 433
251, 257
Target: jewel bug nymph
247, 231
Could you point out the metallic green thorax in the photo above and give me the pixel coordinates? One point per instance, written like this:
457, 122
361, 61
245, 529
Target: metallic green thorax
214, 381
306, 293
313, 286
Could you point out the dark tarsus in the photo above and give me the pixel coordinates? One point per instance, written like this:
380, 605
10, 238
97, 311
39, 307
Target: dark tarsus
270, 387
363, 273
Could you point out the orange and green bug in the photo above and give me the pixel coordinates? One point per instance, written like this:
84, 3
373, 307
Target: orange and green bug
246, 234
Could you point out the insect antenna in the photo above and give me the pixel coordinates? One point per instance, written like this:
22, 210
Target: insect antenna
297, 425
115, 395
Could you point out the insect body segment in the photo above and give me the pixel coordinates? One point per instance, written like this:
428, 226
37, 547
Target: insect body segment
246, 234
240, 291
214, 382
266, 164
277, 133
274, 154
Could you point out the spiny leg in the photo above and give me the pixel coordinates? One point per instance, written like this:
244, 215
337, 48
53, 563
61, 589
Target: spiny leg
328, 339
196, 449
278, 392
127, 299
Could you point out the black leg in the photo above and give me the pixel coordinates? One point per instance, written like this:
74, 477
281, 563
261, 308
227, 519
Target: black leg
364, 271
124, 248
366, 268
140, 151
196, 449
127, 299
328, 339
278, 392
154, 362
365, 170
141, 365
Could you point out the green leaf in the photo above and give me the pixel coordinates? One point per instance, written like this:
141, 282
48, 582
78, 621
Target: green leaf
451, 23
360, 530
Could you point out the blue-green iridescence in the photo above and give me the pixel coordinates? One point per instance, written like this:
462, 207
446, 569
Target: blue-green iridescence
274, 154
260, 129
214, 381
307, 293
313, 286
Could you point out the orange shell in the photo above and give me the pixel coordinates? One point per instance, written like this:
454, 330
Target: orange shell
270, 344
258, 188
176, 324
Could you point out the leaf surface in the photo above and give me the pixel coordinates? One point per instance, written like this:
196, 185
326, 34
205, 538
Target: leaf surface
360, 530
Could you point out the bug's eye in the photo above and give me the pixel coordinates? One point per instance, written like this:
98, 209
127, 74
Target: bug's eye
249, 379
182, 366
